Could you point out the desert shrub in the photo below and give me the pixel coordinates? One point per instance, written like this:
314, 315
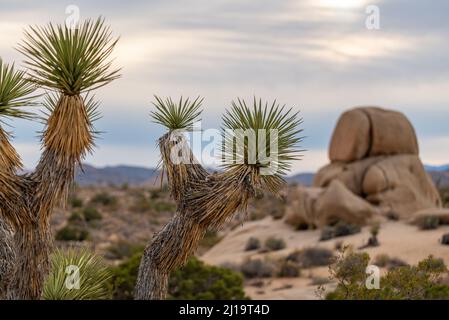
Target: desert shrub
252, 244
94, 276
91, 214
195, 280
72, 233
444, 194
163, 206
257, 268
141, 204
445, 239
428, 222
319, 281
274, 244
288, 269
123, 249
422, 281
340, 229
385, 261
155, 194
76, 217
75, 202
105, 199
198, 281
311, 257
210, 239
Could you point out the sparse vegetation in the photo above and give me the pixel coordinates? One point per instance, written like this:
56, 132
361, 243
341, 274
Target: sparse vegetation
340, 229
445, 239
75, 202
91, 214
141, 204
275, 244
422, 281
428, 223
198, 281
288, 269
252, 244
163, 206
123, 249
257, 268
104, 199
385, 261
311, 257
195, 281
444, 194
72, 232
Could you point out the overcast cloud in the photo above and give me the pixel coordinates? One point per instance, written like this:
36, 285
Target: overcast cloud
315, 56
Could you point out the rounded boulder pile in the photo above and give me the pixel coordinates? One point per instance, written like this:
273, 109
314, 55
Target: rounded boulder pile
374, 170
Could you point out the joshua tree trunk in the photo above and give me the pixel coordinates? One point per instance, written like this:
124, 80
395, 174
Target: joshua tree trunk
66, 140
203, 201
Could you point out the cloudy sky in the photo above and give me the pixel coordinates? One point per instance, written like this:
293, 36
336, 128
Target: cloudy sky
316, 56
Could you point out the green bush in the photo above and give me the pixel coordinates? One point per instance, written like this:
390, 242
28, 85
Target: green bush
72, 233
91, 214
141, 204
445, 239
288, 269
384, 261
105, 199
252, 244
163, 206
311, 257
75, 202
198, 281
339, 230
428, 223
76, 217
123, 249
257, 268
195, 280
422, 281
275, 244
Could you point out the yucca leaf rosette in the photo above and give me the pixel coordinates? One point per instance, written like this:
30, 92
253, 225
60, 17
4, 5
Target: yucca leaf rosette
16, 92
261, 140
70, 62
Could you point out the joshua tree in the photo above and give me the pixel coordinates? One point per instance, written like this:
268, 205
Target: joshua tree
69, 63
15, 92
205, 201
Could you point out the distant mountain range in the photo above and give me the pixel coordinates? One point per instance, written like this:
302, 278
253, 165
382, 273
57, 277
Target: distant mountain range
133, 175
115, 175
437, 168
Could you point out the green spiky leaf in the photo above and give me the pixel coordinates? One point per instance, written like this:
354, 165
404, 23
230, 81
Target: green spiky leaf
179, 115
93, 274
70, 60
15, 92
274, 134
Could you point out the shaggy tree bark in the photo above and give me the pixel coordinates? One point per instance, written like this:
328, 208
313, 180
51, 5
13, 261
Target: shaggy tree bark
32, 198
204, 201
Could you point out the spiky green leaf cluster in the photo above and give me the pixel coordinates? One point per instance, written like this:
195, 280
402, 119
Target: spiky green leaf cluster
70, 60
179, 115
262, 119
15, 92
94, 277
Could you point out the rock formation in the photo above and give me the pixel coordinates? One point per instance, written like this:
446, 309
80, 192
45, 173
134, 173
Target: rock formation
374, 170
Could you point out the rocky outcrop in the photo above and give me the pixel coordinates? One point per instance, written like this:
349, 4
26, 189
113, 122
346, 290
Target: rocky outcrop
374, 170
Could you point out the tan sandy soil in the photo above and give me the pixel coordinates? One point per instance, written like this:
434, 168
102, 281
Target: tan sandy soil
397, 239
